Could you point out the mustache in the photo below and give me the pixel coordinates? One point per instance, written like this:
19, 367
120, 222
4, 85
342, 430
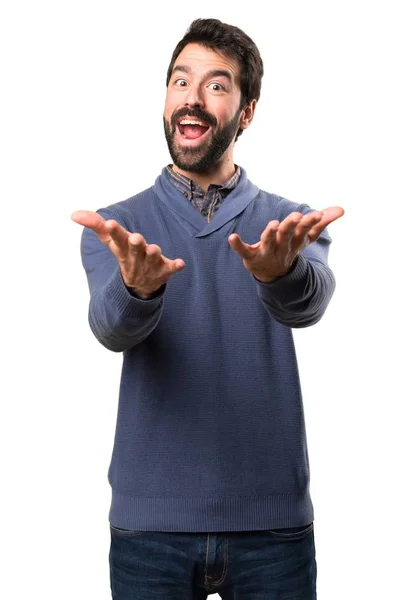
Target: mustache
196, 113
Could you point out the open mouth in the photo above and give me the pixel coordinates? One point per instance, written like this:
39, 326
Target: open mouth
192, 129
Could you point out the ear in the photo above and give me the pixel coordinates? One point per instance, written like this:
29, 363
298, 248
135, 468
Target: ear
247, 114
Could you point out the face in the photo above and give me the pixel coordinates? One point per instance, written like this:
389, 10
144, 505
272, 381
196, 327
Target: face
202, 110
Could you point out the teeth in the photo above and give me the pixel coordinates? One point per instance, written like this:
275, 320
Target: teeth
190, 122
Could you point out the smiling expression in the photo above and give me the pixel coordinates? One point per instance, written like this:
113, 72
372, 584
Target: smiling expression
202, 109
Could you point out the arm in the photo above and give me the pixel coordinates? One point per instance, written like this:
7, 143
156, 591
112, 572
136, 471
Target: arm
289, 264
300, 298
127, 280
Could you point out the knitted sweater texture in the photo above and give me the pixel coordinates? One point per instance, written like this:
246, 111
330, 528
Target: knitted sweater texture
210, 432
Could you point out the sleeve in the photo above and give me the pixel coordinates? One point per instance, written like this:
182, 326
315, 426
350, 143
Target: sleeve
117, 319
300, 298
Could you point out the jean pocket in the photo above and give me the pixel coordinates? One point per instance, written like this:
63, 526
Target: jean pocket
292, 533
124, 532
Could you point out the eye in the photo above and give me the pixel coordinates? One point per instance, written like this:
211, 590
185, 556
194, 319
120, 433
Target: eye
180, 82
216, 87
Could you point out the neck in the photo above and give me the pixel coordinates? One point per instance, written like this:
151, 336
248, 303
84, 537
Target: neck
217, 175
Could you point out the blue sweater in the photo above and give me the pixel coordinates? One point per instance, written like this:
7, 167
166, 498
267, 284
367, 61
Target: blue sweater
210, 432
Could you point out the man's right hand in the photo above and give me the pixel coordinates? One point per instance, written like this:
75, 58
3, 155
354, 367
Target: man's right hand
144, 269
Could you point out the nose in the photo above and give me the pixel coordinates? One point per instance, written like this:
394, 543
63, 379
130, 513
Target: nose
194, 97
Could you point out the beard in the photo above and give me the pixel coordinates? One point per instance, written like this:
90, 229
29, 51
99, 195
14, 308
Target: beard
205, 157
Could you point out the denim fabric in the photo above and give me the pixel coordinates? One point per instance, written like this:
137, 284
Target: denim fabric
276, 564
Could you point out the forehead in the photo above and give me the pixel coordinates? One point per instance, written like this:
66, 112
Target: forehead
200, 59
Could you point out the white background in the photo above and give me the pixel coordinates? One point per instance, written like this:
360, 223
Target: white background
83, 86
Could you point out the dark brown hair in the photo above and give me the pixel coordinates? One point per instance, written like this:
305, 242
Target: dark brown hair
233, 42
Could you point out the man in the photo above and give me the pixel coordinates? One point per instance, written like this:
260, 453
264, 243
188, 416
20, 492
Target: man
198, 281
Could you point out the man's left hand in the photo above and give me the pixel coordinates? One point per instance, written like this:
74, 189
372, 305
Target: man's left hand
281, 242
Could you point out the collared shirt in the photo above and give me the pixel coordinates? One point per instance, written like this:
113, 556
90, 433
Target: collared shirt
206, 203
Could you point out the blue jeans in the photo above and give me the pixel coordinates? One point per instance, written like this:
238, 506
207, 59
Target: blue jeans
276, 564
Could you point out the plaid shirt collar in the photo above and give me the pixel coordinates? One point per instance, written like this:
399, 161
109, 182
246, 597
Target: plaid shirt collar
209, 202
188, 187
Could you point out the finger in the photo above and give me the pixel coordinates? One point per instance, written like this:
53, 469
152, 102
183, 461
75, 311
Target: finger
105, 230
93, 221
244, 250
87, 218
288, 225
286, 229
118, 234
137, 244
332, 213
153, 252
308, 221
328, 216
268, 236
174, 265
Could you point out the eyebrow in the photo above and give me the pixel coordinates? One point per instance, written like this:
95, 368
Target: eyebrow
213, 73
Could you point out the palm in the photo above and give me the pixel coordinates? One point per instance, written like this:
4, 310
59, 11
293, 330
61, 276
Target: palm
280, 243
